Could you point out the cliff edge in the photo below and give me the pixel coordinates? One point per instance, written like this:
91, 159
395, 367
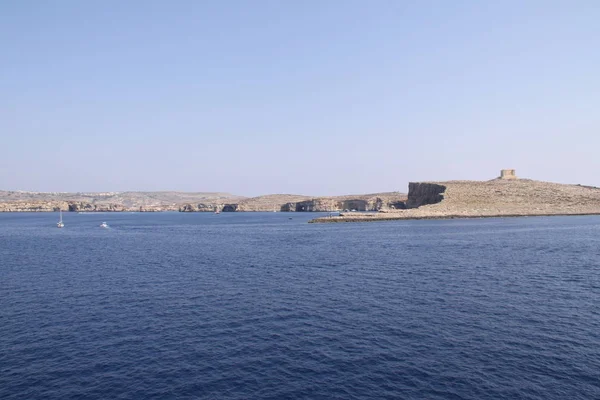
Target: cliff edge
495, 198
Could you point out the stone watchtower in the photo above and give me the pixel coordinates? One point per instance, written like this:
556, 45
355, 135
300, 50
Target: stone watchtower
508, 174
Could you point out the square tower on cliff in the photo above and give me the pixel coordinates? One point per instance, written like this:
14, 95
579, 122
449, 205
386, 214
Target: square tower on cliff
508, 174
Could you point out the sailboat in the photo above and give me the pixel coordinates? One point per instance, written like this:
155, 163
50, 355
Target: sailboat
60, 223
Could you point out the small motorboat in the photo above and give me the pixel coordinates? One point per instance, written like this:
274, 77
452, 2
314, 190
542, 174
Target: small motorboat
104, 225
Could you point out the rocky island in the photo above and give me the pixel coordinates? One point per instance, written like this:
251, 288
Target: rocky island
501, 197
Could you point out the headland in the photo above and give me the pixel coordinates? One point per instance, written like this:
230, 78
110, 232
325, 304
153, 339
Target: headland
506, 196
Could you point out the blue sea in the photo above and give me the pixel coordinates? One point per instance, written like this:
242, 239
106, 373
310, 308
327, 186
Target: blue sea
261, 306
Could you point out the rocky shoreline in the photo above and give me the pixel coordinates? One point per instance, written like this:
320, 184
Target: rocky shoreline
506, 196
298, 203
486, 199
193, 202
20, 201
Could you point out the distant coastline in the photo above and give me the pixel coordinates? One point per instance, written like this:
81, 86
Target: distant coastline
505, 196
13, 201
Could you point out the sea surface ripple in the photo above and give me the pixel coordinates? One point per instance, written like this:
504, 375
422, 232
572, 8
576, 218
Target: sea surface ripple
260, 306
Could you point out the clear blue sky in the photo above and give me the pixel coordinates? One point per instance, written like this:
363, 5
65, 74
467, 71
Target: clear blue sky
312, 97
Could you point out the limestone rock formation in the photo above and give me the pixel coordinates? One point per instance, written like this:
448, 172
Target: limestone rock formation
292, 203
97, 207
420, 194
200, 207
230, 208
495, 198
35, 206
193, 202
18, 201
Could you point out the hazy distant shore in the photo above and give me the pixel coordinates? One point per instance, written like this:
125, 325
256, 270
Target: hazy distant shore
193, 202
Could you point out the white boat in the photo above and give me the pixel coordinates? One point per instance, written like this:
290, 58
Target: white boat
60, 223
104, 225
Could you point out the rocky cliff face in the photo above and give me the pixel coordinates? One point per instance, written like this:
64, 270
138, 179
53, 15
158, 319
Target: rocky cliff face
19, 201
494, 198
230, 208
78, 206
369, 204
312, 205
374, 204
89, 207
200, 207
26, 206
383, 201
423, 193
296, 203
160, 201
